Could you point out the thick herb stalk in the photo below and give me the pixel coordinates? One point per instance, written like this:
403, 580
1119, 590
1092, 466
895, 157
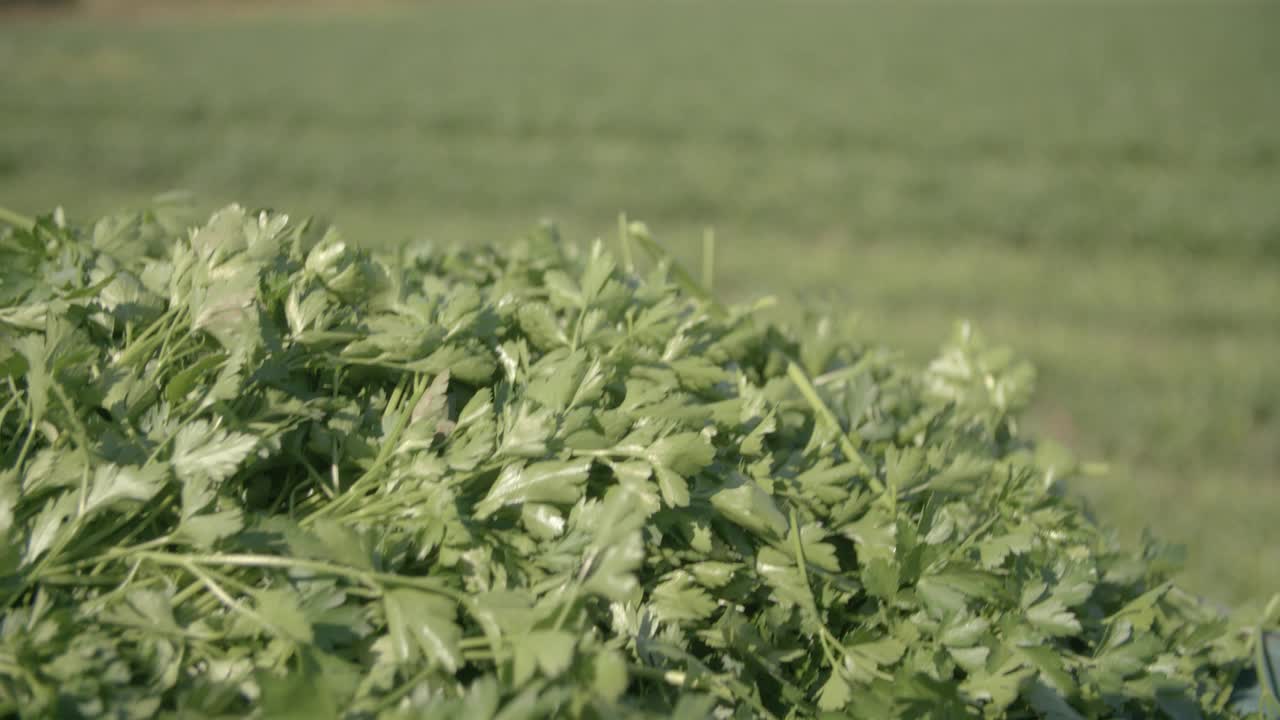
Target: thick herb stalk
251, 469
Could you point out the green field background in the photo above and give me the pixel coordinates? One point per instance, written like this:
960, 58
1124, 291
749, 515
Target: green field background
1096, 185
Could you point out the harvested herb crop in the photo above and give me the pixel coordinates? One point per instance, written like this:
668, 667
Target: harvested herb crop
252, 469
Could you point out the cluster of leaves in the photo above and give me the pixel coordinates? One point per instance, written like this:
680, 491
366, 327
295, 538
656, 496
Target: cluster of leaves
251, 469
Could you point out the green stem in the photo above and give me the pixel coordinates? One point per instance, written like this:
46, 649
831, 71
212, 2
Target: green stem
824, 414
624, 237
370, 578
358, 488
678, 273
396, 695
17, 220
150, 339
824, 636
709, 260
105, 557
226, 599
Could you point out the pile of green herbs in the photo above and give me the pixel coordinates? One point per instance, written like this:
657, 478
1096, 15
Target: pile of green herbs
249, 469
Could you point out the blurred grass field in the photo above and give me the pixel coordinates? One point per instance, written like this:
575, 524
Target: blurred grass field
1096, 185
